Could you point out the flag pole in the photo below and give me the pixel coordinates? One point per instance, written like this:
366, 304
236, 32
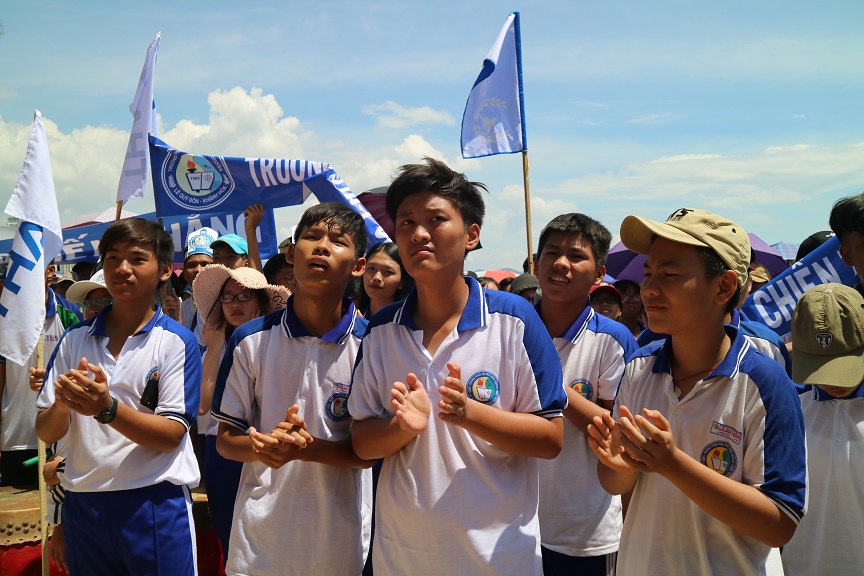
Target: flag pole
119, 210
43, 488
527, 210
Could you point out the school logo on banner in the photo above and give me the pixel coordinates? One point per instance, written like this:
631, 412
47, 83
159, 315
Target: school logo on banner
337, 404
583, 387
483, 387
720, 457
193, 181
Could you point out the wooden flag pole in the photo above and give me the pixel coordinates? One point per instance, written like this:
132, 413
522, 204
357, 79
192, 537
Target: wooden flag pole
119, 210
527, 210
43, 488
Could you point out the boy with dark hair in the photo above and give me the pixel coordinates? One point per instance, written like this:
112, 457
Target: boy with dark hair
715, 452
125, 386
286, 417
828, 331
458, 390
580, 531
847, 222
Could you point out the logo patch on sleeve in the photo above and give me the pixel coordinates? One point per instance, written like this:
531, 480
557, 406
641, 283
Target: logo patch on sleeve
583, 387
720, 457
483, 387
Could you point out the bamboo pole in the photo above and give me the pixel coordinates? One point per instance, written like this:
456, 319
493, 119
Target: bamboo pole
43, 488
119, 210
527, 211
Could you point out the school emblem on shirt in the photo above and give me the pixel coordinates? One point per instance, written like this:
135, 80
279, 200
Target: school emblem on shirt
720, 457
824, 339
337, 405
483, 387
583, 387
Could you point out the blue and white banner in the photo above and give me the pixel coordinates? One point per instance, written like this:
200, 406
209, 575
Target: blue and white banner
82, 243
133, 177
37, 241
774, 303
186, 183
494, 118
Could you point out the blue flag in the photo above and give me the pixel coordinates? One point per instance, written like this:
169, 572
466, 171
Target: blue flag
82, 243
774, 303
186, 183
494, 119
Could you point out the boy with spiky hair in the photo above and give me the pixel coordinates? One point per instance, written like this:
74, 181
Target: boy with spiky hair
124, 385
459, 390
847, 222
280, 400
705, 430
580, 531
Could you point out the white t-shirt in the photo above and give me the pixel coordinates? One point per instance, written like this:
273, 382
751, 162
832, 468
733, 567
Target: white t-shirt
304, 518
99, 458
828, 539
743, 421
577, 516
450, 502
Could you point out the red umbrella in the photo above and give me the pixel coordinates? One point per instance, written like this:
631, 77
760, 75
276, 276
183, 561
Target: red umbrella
497, 275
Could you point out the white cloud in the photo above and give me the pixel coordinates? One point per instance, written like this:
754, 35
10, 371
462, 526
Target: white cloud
393, 115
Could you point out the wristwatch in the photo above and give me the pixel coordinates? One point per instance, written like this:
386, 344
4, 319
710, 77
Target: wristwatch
107, 416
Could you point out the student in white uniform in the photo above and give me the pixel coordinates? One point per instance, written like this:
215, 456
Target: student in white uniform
828, 331
706, 430
124, 385
228, 299
580, 523
18, 441
459, 391
305, 499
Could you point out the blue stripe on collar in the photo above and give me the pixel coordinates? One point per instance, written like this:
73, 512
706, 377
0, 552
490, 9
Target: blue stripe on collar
473, 316
293, 328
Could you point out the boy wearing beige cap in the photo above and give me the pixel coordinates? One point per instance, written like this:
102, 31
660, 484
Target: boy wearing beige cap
706, 431
828, 331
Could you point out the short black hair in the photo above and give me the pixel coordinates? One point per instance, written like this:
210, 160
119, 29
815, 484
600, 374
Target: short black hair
273, 266
142, 232
341, 216
579, 225
436, 177
847, 216
714, 267
624, 285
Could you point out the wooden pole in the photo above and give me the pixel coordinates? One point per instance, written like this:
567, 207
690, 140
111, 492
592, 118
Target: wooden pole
43, 488
527, 210
119, 210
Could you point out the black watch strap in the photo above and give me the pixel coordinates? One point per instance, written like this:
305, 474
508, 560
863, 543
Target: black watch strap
107, 416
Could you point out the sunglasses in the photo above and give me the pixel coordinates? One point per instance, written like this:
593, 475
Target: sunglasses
95, 304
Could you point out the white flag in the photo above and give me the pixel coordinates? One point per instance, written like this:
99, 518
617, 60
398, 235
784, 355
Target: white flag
494, 118
136, 166
37, 241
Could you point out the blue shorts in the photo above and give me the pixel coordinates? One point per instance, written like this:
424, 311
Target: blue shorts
145, 531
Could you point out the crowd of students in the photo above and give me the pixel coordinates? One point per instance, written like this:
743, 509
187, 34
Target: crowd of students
508, 435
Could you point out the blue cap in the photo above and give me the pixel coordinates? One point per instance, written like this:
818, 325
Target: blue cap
199, 242
235, 242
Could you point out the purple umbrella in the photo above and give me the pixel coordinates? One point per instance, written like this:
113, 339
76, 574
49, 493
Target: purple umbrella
622, 264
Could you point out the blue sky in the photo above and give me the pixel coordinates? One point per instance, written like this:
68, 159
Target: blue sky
752, 110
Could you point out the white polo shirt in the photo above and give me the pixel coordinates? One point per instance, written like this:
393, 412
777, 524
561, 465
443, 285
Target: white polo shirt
18, 411
577, 516
305, 518
828, 539
450, 502
98, 458
743, 421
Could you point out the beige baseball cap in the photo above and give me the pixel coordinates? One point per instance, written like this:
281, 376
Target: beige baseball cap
693, 227
828, 337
